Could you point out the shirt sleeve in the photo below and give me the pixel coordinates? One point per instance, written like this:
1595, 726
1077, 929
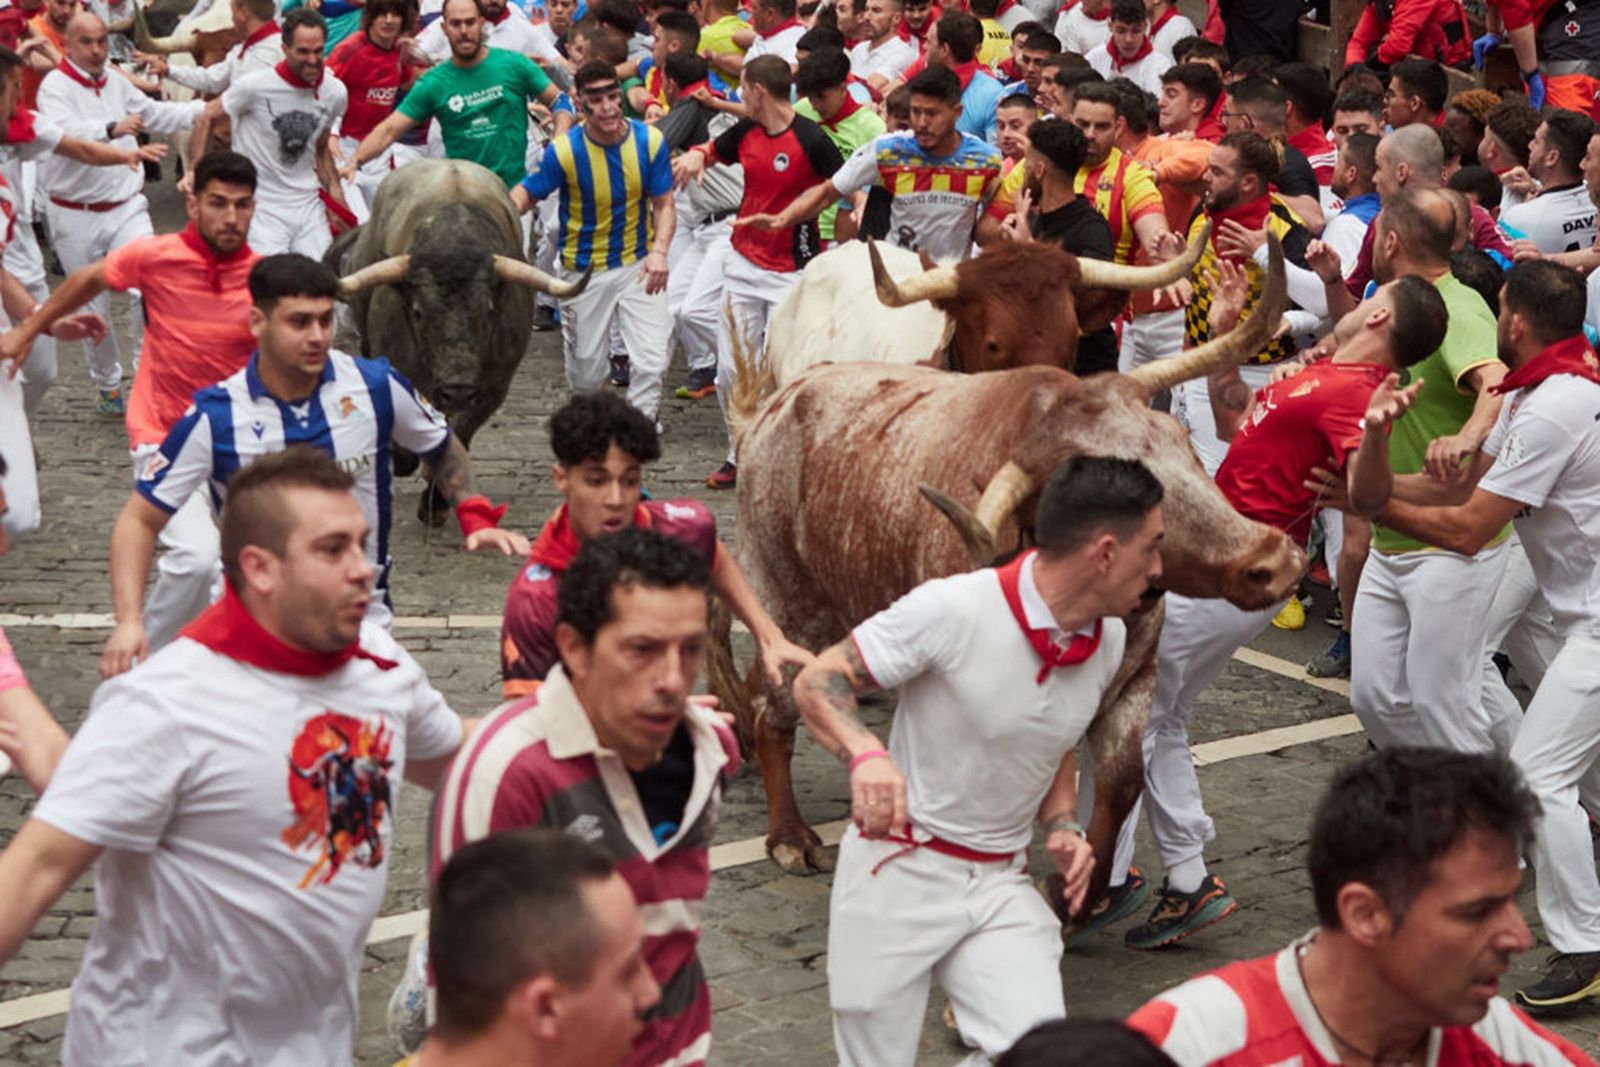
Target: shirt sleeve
1005, 200
913, 635
181, 465
547, 177
659, 180
418, 103
1341, 423
726, 146
418, 427
433, 729
534, 78
125, 265
821, 152
1140, 194
238, 97
527, 630
859, 171
204, 80
1529, 458
119, 782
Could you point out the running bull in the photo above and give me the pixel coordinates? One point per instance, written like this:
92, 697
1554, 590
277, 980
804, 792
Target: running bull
439, 285
1015, 305
836, 474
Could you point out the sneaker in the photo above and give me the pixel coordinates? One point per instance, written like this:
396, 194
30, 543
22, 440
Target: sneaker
1334, 662
1573, 977
545, 318
109, 405
724, 477
620, 371
1319, 574
407, 1016
1335, 616
1292, 616
702, 383
1119, 902
1177, 915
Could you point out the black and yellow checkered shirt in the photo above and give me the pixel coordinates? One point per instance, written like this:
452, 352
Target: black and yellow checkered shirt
1294, 237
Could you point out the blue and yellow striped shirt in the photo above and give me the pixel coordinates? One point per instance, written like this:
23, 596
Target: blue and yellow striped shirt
605, 215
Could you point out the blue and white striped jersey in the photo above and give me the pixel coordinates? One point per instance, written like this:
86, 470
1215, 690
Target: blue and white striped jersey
361, 409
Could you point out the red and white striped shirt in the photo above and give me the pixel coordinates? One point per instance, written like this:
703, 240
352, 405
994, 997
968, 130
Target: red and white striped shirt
1256, 1013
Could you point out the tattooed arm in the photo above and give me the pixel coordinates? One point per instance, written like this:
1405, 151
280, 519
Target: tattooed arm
825, 692
1231, 398
451, 473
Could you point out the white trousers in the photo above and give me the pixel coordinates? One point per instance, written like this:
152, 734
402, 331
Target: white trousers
616, 297
372, 173
189, 572
1211, 449
1521, 626
1149, 337
751, 293
548, 228
1557, 749
1417, 648
694, 291
284, 227
980, 929
24, 262
1198, 639
84, 237
20, 481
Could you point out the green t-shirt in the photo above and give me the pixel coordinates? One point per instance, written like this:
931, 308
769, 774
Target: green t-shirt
1444, 403
482, 110
849, 134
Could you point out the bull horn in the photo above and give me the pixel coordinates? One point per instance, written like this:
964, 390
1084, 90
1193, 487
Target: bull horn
384, 272
1233, 348
936, 284
161, 46
1100, 274
515, 270
980, 529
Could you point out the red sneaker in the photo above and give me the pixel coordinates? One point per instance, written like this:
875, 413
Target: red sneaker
724, 477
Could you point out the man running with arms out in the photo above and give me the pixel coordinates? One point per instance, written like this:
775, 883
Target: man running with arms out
197, 332
239, 789
294, 390
601, 445
940, 178
479, 98
1414, 872
611, 749
1540, 466
616, 219
999, 673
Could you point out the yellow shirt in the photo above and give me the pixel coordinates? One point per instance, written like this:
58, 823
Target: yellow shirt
1121, 202
717, 38
996, 45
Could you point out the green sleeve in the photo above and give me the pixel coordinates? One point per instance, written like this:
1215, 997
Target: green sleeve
418, 103
537, 79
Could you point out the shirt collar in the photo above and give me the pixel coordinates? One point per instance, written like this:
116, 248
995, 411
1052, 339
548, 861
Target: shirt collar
258, 388
83, 77
1034, 608
570, 733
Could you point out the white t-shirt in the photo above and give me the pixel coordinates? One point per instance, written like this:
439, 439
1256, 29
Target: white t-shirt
263, 54
514, 33
246, 817
781, 43
1546, 445
1080, 34
1146, 73
278, 125
890, 58
1557, 220
1175, 29
977, 736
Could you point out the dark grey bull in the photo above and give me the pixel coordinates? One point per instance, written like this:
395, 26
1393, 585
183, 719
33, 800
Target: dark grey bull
437, 283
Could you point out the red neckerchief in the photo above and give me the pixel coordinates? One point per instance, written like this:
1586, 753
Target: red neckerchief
1252, 215
779, 28
911, 33
1572, 355
1078, 649
846, 109
1118, 63
70, 69
703, 83
190, 235
1007, 5
1211, 127
1166, 16
259, 34
294, 79
20, 130
227, 628
966, 72
557, 544
505, 13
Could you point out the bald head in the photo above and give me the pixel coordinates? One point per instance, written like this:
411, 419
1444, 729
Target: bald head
1416, 148
87, 42
1417, 228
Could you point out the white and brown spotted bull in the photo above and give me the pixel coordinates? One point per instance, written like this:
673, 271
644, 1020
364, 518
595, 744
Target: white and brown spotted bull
1015, 305
836, 472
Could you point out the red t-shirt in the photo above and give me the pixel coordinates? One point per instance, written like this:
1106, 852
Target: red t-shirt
375, 77
777, 169
1319, 151
528, 628
1311, 419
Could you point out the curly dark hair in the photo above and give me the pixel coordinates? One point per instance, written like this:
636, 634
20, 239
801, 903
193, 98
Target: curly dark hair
626, 558
588, 425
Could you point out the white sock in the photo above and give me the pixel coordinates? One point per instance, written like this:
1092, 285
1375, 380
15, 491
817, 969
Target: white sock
1186, 877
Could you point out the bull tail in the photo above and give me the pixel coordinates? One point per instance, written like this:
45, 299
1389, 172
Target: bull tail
724, 680
752, 377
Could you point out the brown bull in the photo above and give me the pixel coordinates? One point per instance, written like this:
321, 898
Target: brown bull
833, 527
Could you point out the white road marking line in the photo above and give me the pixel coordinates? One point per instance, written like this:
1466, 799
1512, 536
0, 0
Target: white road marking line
29, 1009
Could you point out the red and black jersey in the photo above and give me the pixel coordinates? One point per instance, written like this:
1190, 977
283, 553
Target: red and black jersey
778, 168
376, 78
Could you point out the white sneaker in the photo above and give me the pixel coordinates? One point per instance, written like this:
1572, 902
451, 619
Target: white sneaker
407, 1017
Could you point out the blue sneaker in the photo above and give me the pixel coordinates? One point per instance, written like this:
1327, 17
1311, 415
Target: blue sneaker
109, 404
1333, 663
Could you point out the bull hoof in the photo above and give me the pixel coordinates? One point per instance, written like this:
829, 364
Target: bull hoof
790, 858
803, 857
432, 508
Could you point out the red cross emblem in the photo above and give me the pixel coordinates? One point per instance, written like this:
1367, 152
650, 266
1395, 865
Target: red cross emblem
1572, 28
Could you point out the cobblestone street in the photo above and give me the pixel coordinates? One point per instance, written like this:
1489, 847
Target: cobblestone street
765, 932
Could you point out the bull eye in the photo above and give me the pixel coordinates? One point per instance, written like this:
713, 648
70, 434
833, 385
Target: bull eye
990, 345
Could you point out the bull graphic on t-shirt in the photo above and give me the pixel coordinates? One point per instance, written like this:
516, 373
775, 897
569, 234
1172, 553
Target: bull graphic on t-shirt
339, 786
295, 130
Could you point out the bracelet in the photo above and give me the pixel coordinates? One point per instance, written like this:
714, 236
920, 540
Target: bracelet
875, 753
1065, 822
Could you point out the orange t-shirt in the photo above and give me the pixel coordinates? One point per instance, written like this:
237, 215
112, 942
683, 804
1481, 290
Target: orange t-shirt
197, 332
1175, 164
30, 77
